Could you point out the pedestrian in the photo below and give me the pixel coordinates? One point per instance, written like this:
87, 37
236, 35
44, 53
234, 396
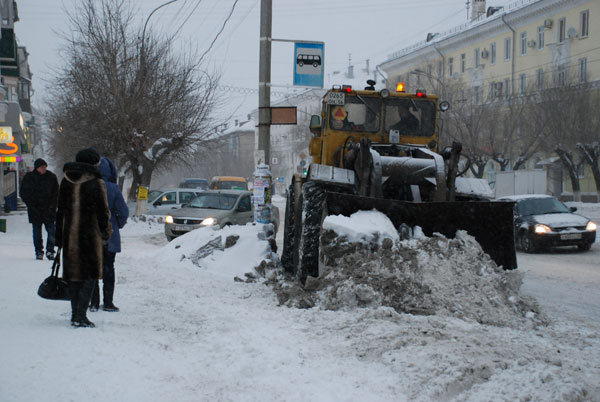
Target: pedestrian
118, 218
83, 227
39, 191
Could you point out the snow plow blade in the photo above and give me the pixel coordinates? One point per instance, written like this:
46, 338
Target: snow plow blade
490, 223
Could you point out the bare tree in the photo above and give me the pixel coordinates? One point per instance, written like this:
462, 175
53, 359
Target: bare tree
468, 122
572, 128
127, 93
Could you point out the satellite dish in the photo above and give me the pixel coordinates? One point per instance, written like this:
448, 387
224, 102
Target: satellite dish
572, 33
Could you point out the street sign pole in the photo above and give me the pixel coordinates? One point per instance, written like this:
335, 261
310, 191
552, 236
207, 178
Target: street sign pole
264, 82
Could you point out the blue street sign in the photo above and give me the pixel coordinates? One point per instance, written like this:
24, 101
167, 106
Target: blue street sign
309, 64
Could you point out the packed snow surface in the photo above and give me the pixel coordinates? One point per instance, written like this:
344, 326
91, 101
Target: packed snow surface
189, 331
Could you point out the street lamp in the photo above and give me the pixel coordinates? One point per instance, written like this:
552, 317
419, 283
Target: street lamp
148, 19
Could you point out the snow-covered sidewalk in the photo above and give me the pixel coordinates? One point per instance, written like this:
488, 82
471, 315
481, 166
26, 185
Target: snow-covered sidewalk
191, 333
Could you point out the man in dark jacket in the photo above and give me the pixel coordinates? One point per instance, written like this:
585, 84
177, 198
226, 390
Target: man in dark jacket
118, 217
83, 226
39, 191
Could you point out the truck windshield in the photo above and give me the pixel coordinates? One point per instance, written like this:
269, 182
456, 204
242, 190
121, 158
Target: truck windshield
356, 115
410, 116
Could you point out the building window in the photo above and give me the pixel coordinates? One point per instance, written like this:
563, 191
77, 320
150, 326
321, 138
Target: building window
562, 29
507, 49
562, 78
540, 38
493, 53
477, 58
477, 95
507, 87
523, 43
540, 79
583, 70
463, 62
496, 90
450, 66
584, 24
522, 84
440, 69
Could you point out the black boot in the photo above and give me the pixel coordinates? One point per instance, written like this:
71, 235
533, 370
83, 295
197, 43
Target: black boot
95, 303
85, 294
74, 293
109, 290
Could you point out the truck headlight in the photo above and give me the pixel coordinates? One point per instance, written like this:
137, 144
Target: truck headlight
541, 229
591, 226
209, 222
168, 219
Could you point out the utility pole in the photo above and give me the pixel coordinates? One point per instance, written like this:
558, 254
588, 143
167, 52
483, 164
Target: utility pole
264, 83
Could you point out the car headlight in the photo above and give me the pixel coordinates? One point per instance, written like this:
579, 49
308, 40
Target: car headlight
209, 222
168, 219
541, 229
591, 226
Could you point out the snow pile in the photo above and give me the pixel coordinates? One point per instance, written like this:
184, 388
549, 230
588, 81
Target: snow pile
420, 275
219, 250
143, 225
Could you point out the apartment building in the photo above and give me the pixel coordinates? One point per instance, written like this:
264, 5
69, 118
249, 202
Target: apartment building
504, 50
525, 45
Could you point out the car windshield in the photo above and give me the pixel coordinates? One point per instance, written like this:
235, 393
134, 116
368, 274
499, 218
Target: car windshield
231, 185
540, 206
214, 201
195, 184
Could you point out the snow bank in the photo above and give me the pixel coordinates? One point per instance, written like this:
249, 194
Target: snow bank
421, 275
219, 250
361, 226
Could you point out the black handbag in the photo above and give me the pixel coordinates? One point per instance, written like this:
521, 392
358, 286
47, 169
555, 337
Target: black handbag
53, 287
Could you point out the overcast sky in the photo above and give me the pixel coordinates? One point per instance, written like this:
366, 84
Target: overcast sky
359, 30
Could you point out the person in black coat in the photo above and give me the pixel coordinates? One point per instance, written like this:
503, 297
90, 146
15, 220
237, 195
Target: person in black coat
39, 191
83, 228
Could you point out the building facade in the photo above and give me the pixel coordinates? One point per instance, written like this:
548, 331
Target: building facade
504, 51
18, 131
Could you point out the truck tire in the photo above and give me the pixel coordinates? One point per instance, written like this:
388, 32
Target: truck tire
289, 231
312, 213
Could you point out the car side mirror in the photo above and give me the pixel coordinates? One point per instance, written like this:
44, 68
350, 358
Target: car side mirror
315, 125
572, 209
157, 203
184, 205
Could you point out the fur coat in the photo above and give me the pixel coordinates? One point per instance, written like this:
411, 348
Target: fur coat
82, 221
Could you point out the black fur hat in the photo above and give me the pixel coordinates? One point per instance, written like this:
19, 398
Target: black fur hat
39, 162
88, 155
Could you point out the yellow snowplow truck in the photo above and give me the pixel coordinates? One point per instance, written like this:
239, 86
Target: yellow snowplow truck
379, 150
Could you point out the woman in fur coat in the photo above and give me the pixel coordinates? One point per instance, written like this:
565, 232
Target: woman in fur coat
82, 227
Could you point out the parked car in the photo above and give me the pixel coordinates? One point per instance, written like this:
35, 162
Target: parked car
161, 201
198, 183
228, 182
213, 208
542, 222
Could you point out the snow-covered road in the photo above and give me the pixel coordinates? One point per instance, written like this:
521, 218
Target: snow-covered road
567, 282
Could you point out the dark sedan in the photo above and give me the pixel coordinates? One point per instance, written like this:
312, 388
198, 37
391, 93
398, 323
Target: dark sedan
542, 222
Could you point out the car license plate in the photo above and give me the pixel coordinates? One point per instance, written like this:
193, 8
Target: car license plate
336, 98
183, 228
571, 236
